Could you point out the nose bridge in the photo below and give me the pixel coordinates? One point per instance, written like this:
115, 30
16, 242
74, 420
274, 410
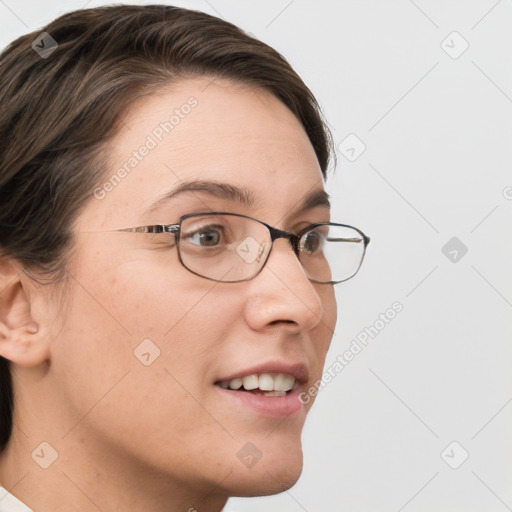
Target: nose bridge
293, 240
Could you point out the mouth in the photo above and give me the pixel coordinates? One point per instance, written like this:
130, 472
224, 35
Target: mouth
265, 384
270, 390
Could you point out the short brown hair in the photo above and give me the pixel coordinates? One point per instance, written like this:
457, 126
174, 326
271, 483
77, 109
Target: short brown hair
58, 113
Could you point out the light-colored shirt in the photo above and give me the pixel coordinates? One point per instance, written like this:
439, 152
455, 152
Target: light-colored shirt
8, 503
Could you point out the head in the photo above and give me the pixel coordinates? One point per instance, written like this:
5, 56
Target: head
130, 351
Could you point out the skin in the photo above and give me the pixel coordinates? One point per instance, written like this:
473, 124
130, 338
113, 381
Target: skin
158, 437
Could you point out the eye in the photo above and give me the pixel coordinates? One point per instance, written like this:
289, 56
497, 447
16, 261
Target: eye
206, 236
312, 242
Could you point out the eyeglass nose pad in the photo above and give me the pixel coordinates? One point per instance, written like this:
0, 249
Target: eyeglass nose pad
260, 252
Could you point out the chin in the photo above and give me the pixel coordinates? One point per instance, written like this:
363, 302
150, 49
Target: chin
273, 476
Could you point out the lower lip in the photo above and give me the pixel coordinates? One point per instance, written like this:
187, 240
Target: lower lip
269, 406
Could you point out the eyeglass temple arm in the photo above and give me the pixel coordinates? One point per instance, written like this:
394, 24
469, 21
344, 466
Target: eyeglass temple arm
171, 228
174, 228
356, 240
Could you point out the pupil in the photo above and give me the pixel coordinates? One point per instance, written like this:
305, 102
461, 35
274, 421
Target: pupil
312, 242
209, 237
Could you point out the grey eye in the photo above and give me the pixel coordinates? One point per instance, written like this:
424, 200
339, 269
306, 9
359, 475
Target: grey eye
208, 236
312, 242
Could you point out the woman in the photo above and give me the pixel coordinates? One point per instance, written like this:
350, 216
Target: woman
155, 351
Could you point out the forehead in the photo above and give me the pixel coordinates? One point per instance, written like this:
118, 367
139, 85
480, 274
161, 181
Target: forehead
203, 129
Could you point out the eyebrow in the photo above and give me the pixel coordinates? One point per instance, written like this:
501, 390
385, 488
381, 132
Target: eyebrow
314, 198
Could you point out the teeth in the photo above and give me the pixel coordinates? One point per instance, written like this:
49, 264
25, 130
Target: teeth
251, 382
266, 382
283, 382
275, 393
271, 393
272, 384
235, 383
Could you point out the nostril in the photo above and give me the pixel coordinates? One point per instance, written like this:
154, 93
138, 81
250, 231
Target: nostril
282, 321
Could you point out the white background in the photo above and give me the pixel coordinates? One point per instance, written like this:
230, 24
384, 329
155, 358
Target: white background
437, 131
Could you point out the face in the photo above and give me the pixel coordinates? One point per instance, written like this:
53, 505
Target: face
147, 348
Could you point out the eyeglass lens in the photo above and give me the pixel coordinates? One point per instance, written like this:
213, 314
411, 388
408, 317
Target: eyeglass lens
231, 248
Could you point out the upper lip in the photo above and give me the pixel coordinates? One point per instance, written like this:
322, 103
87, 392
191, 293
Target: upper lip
299, 370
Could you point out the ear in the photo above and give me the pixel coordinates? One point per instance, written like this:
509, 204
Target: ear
21, 339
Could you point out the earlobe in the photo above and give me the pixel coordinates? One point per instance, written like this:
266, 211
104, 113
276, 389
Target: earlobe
21, 339
21, 347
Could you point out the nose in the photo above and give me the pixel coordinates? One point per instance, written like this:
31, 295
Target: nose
282, 294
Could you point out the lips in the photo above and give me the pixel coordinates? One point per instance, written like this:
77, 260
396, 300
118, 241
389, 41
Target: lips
271, 389
299, 371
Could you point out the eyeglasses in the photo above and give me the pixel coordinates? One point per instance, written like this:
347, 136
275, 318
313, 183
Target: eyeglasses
231, 247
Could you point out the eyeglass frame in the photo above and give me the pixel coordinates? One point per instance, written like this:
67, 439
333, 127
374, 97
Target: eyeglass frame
275, 234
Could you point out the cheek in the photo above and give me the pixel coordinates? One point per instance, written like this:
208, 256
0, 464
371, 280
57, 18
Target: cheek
135, 350
330, 309
135, 307
132, 302
324, 331
328, 298
145, 291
